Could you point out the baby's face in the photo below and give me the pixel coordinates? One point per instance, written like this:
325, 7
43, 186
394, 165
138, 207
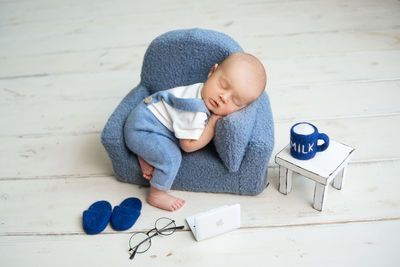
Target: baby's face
229, 89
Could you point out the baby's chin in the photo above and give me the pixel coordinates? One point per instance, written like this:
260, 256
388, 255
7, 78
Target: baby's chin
222, 114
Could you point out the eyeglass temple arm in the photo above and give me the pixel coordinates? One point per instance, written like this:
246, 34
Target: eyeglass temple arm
174, 228
133, 254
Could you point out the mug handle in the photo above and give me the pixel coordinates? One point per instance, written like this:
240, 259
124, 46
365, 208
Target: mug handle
325, 144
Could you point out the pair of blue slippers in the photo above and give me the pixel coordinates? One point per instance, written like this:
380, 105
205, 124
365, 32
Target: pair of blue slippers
122, 217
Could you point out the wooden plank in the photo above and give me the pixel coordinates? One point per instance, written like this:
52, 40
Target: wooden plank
56, 117
55, 206
353, 244
71, 87
293, 103
261, 43
83, 27
83, 155
66, 63
360, 66
375, 65
84, 48
50, 156
270, 45
82, 103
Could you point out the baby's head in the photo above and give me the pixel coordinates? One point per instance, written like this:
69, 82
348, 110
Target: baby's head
234, 84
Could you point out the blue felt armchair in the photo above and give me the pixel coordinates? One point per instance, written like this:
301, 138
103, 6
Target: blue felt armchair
236, 160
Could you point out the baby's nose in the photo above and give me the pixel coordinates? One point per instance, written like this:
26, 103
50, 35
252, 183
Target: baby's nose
223, 98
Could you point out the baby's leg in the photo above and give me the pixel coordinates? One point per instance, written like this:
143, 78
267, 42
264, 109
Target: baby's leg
165, 155
147, 169
158, 198
166, 162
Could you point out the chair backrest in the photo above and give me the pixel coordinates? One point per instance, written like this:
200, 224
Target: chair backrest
183, 57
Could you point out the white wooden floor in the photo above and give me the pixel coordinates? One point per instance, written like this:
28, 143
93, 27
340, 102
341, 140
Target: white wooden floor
64, 66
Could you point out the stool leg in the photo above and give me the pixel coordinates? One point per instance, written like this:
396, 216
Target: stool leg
338, 182
285, 180
320, 193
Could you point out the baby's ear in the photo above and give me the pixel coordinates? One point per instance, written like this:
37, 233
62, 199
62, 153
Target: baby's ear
213, 69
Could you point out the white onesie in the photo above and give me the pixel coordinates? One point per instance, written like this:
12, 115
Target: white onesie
184, 124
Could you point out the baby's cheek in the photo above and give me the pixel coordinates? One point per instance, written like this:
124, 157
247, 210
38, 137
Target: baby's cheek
231, 109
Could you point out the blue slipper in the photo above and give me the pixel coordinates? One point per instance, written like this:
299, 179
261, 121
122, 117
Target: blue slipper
95, 219
125, 215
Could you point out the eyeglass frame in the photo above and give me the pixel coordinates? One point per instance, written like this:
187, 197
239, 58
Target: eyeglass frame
133, 250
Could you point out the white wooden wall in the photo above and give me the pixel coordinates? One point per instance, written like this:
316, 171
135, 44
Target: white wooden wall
65, 65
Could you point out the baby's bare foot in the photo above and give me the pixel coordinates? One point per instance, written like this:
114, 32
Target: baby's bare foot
147, 169
163, 200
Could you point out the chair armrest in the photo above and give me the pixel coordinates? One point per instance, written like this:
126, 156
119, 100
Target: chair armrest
258, 151
112, 136
234, 132
115, 124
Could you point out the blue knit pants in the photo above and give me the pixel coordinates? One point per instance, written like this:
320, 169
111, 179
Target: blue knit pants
148, 138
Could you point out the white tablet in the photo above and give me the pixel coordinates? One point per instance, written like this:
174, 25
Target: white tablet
214, 222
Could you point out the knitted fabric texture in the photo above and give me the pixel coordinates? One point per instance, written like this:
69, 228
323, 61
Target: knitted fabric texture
126, 214
237, 160
305, 146
96, 217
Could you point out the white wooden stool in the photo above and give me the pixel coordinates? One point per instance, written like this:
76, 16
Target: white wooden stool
326, 166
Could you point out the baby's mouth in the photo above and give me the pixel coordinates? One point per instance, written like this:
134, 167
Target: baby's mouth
214, 103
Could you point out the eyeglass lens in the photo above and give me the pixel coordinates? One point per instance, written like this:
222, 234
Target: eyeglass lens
165, 226
142, 242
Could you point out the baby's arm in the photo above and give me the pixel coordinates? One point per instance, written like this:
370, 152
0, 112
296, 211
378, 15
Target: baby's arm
190, 145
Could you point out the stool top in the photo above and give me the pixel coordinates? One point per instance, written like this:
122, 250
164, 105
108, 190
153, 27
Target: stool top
323, 165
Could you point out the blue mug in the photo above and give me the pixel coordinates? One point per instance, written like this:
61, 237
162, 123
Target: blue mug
304, 141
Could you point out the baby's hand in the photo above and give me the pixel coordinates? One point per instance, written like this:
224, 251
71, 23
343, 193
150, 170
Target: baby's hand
215, 117
212, 121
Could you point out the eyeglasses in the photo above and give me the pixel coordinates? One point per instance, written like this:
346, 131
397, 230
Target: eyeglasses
142, 241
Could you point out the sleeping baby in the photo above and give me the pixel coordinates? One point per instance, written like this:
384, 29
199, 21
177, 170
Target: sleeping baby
185, 118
